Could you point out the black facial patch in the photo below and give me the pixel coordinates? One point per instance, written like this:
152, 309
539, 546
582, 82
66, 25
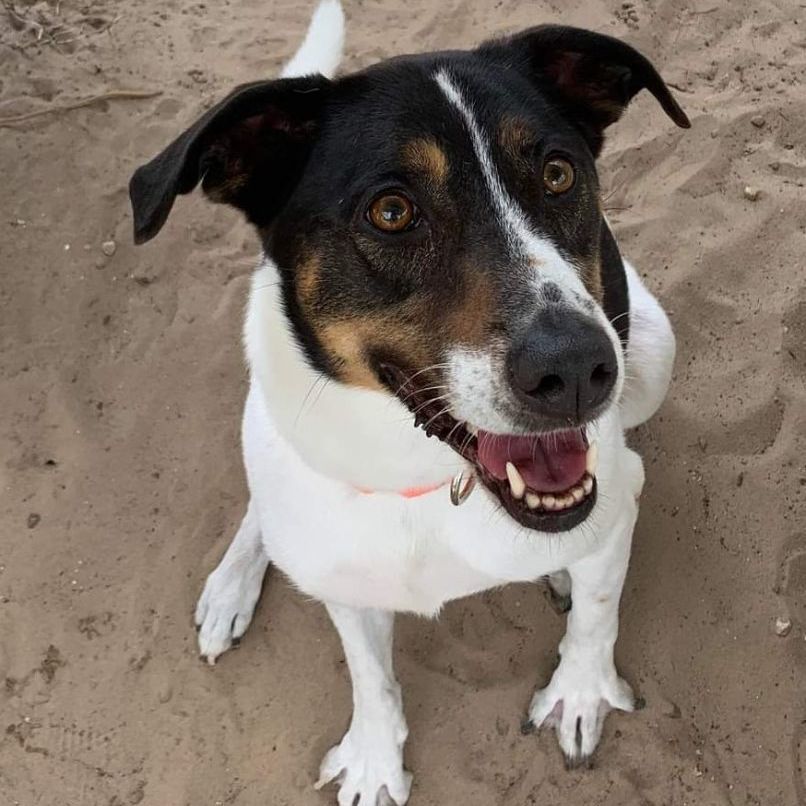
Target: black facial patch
616, 300
422, 289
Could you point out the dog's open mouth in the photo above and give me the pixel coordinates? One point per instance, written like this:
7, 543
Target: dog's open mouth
546, 482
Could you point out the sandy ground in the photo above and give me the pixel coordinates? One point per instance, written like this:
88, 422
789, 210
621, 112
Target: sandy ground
121, 384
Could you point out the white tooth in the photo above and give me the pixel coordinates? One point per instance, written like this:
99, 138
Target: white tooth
587, 485
516, 482
549, 502
532, 500
578, 493
592, 458
568, 501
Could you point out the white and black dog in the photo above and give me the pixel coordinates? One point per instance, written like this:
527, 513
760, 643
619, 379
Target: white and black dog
437, 264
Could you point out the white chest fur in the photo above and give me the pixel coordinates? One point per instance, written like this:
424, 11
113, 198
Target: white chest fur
309, 443
383, 550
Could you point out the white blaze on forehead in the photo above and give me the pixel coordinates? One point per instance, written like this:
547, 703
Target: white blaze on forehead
552, 267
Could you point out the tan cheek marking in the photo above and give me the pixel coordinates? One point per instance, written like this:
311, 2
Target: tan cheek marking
349, 342
468, 323
344, 344
592, 277
307, 281
426, 157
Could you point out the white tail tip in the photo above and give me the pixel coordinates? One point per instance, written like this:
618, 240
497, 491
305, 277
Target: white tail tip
322, 48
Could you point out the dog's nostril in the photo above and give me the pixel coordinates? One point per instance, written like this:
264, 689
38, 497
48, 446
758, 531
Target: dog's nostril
601, 376
550, 386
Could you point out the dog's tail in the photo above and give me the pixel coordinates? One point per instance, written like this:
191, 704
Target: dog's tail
321, 50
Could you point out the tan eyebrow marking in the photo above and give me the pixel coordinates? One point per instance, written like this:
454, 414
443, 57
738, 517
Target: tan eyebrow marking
515, 137
427, 157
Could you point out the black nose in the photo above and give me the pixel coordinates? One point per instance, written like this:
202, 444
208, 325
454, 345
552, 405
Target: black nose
564, 366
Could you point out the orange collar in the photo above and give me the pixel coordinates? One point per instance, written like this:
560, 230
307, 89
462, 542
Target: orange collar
408, 492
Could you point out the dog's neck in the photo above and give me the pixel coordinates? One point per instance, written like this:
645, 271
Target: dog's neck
362, 437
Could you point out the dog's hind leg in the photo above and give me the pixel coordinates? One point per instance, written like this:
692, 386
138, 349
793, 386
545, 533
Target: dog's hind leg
558, 591
369, 761
231, 592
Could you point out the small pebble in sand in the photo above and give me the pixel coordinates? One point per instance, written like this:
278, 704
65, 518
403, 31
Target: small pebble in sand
751, 193
108, 248
758, 121
783, 625
33, 520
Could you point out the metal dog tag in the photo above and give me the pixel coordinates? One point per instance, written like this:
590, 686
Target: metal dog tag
461, 488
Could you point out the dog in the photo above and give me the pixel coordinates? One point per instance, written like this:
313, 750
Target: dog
446, 348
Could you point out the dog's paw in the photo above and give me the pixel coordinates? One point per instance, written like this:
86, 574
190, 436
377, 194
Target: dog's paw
368, 773
575, 705
226, 607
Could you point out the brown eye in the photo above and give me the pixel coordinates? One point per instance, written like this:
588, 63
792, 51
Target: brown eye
558, 175
391, 212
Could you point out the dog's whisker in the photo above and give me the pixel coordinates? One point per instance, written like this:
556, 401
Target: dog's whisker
409, 379
436, 417
453, 430
424, 389
429, 402
320, 376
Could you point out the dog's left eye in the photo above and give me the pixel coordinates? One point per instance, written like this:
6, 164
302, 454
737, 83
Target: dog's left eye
558, 175
392, 212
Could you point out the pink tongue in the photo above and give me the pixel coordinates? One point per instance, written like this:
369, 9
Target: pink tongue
549, 464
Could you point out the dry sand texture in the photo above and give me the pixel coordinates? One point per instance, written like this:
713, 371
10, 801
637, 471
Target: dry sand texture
121, 384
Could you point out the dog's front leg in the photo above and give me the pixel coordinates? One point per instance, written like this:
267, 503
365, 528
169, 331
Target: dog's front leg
369, 760
586, 685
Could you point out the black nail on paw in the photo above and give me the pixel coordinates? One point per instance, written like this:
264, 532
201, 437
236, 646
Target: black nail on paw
581, 762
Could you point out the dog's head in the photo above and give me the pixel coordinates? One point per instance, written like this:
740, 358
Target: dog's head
437, 224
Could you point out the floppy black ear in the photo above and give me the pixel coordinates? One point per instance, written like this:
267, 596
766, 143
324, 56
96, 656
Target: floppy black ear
247, 151
592, 76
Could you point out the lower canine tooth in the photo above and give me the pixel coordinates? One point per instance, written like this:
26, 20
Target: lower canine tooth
516, 482
587, 485
592, 458
549, 502
532, 500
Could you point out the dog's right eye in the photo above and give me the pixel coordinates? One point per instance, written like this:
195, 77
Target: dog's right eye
392, 212
558, 175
